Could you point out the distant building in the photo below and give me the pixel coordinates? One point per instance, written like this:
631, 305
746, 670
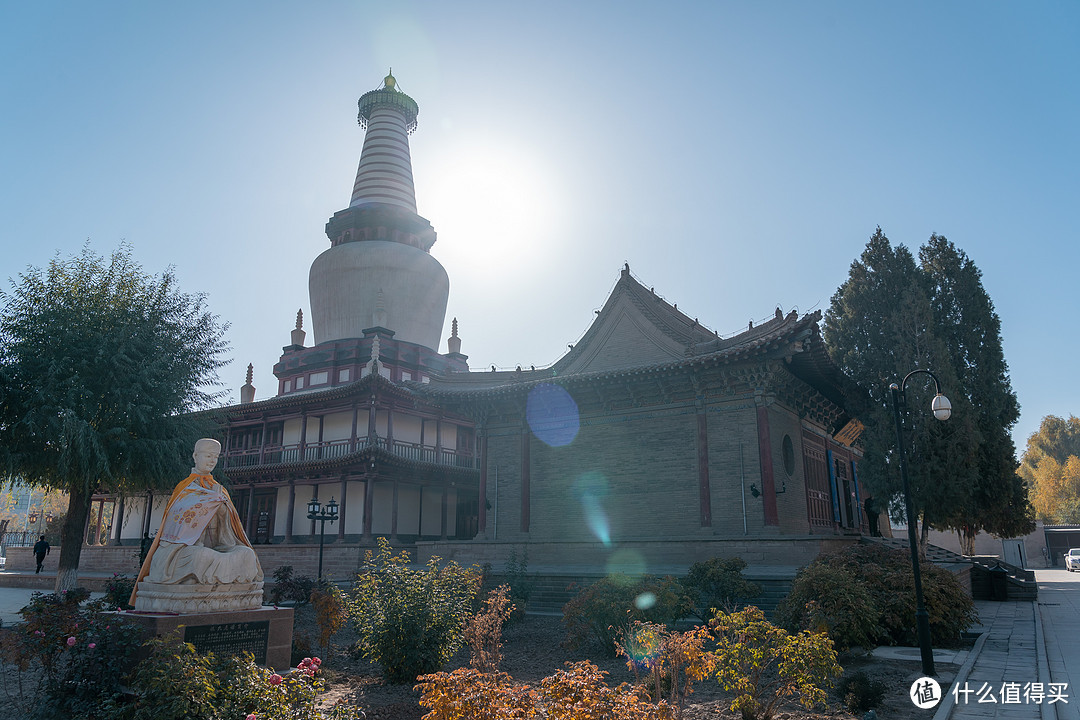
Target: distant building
652, 443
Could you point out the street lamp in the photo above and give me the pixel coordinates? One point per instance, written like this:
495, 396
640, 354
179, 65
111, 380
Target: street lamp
34, 516
942, 409
315, 512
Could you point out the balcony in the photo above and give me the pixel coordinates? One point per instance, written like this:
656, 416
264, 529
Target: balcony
330, 449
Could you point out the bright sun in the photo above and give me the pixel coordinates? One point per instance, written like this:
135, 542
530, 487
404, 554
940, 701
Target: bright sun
491, 203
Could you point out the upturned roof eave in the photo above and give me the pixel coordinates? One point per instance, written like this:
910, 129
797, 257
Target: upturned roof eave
762, 345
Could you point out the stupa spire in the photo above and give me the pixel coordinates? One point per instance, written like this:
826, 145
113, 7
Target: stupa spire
379, 268
385, 172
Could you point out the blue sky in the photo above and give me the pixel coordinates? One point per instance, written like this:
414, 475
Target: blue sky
737, 155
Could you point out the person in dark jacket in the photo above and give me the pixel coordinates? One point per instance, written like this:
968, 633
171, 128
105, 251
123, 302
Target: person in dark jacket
870, 505
41, 549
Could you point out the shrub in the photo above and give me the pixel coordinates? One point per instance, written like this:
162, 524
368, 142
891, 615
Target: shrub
605, 609
516, 575
288, 588
484, 630
177, 683
410, 621
833, 600
580, 692
118, 591
572, 694
884, 576
468, 694
671, 661
860, 693
66, 660
718, 584
331, 611
764, 665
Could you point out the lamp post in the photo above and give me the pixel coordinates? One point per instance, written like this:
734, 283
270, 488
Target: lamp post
315, 512
942, 409
35, 517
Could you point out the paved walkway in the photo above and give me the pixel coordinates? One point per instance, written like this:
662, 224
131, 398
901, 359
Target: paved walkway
13, 599
997, 680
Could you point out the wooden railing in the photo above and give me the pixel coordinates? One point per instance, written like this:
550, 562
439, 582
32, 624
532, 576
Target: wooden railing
330, 449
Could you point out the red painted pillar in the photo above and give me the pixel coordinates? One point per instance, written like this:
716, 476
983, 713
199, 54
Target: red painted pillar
525, 438
481, 512
341, 509
442, 510
704, 488
369, 503
768, 487
292, 511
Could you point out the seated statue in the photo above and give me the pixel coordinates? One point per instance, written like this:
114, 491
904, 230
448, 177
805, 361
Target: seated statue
201, 560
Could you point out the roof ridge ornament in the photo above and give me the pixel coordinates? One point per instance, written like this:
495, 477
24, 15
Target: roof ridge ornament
298, 335
373, 364
247, 390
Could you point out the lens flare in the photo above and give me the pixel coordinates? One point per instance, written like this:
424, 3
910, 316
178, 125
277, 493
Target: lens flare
590, 490
552, 415
627, 563
645, 600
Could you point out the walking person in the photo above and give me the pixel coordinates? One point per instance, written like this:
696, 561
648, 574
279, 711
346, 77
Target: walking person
41, 549
870, 506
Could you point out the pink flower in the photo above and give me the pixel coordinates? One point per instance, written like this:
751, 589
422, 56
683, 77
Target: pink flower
251, 717
316, 661
92, 645
71, 641
38, 632
275, 679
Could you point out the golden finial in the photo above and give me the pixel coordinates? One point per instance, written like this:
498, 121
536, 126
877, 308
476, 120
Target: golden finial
389, 80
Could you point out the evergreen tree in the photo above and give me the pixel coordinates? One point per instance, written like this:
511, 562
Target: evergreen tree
101, 366
965, 318
893, 316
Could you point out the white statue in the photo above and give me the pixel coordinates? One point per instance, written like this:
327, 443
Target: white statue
201, 560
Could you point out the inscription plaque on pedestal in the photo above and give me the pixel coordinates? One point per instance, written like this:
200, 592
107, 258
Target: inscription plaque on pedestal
266, 633
231, 638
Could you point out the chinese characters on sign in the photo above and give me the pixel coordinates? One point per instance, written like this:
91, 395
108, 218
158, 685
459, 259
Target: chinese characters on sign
1012, 693
231, 638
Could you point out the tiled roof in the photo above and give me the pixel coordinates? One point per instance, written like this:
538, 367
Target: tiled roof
700, 347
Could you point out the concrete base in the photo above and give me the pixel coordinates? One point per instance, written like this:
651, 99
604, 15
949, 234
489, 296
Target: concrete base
198, 598
265, 632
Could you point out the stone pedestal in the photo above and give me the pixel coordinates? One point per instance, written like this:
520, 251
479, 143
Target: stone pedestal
198, 598
265, 632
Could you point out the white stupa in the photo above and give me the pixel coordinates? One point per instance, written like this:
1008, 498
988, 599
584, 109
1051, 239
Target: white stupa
378, 272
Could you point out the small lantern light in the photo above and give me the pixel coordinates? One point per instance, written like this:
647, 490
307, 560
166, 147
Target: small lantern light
48, 517
331, 509
313, 507
33, 517
942, 407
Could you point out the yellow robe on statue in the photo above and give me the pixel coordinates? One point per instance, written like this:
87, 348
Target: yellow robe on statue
201, 540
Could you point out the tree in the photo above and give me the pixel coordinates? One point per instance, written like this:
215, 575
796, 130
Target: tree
1055, 489
1051, 469
893, 316
102, 368
965, 318
1056, 437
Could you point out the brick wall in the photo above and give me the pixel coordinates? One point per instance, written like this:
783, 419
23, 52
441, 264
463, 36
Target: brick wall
657, 557
339, 561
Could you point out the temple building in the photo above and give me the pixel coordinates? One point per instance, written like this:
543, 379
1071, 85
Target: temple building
651, 444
